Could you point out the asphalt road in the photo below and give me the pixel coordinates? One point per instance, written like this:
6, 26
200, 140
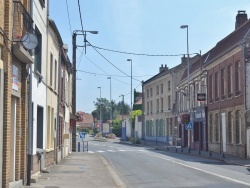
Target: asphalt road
146, 167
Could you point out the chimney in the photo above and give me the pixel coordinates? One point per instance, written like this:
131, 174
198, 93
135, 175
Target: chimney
161, 68
241, 18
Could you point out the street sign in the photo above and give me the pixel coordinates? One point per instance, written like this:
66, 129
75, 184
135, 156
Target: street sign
82, 134
189, 126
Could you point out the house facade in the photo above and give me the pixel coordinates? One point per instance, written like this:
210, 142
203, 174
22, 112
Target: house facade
53, 58
190, 109
158, 103
39, 11
15, 25
228, 93
64, 132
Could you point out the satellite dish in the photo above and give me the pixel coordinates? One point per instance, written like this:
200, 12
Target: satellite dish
29, 41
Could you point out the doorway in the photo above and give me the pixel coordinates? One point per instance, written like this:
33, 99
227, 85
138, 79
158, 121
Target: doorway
39, 142
13, 138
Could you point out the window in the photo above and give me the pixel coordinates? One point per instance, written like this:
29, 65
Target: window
51, 68
237, 77
157, 105
169, 102
38, 55
161, 88
230, 81
216, 89
42, 2
211, 88
169, 85
151, 106
223, 84
55, 79
217, 128
237, 128
147, 93
50, 128
151, 92
161, 104
211, 130
157, 90
148, 107
230, 127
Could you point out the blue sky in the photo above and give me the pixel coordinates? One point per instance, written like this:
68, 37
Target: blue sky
142, 27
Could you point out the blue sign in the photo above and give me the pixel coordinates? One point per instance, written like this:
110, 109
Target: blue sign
189, 126
82, 134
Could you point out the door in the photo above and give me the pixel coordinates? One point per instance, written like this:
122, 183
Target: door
13, 139
223, 127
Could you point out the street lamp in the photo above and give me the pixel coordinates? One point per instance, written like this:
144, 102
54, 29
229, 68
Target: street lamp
101, 109
75, 33
186, 27
110, 100
131, 90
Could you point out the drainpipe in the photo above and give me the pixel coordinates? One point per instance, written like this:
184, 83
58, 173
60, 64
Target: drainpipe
30, 117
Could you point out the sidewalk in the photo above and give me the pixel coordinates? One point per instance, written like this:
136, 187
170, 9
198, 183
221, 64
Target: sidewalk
230, 159
79, 169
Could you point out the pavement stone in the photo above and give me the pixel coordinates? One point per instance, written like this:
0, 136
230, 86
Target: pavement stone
81, 169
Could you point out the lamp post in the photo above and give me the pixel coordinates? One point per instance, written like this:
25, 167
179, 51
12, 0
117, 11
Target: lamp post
131, 90
110, 100
75, 33
188, 66
101, 109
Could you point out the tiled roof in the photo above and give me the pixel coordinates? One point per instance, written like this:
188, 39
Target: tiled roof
86, 118
225, 45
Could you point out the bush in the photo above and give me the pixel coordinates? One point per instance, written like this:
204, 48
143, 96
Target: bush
110, 135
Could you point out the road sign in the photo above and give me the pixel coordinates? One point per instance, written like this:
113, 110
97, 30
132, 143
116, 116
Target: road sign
189, 126
82, 134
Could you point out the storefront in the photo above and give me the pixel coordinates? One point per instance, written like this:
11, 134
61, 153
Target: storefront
200, 129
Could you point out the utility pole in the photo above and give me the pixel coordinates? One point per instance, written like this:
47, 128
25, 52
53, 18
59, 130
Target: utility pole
122, 106
81, 32
74, 92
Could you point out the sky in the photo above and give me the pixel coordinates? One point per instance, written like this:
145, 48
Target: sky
150, 27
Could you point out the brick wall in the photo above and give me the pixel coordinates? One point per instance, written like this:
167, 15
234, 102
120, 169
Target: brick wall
7, 94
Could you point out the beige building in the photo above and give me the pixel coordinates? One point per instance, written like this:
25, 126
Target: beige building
158, 104
53, 57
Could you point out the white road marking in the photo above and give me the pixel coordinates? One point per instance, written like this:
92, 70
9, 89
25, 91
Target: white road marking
100, 151
111, 150
121, 150
201, 170
91, 152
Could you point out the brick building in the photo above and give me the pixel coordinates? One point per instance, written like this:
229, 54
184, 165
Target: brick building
227, 65
15, 24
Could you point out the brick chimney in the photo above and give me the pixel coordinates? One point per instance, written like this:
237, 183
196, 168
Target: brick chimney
241, 18
163, 68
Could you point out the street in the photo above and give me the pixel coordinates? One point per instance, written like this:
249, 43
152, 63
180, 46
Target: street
146, 167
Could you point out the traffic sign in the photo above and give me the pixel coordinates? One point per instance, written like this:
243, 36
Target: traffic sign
189, 126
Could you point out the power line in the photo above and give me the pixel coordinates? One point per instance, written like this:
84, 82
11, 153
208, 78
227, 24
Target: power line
68, 17
110, 62
108, 74
80, 14
103, 70
131, 53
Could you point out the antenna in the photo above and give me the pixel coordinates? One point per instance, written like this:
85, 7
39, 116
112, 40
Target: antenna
29, 41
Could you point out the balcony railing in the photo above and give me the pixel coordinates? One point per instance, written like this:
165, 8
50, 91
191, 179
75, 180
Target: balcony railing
22, 23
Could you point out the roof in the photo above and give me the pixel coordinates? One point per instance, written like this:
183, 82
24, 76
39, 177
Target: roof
86, 118
228, 43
